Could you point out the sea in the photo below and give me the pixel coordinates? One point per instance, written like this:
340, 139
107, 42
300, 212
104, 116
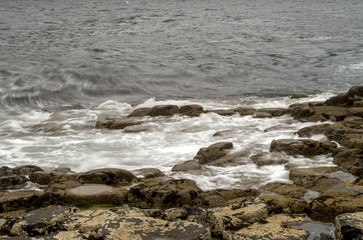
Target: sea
64, 64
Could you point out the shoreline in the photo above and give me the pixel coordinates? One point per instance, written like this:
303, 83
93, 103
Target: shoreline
324, 194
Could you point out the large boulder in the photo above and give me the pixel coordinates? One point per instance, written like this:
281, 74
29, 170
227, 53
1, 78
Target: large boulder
26, 169
163, 110
187, 166
341, 99
155, 193
109, 176
305, 147
349, 225
115, 123
140, 112
193, 110
213, 152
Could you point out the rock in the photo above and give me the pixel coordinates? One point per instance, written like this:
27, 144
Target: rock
353, 141
262, 115
149, 172
191, 110
338, 199
313, 130
187, 166
356, 111
164, 110
10, 181
232, 159
39, 222
338, 100
109, 176
140, 112
274, 112
358, 104
350, 159
332, 112
349, 226
213, 152
245, 111
314, 112
157, 193
192, 214
359, 180
239, 215
289, 190
277, 227
221, 197
356, 91
265, 158
284, 204
12, 201
298, 96
223, 133
95, 194
305, 147
115, 123
222, 112
26, 169
54, 176
151, 228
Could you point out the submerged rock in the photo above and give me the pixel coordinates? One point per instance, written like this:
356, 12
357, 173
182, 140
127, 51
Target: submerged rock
349, 226
305, 147
149, 172
115, 123
350, 159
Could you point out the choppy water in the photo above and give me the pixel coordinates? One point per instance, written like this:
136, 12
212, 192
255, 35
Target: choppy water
65, 63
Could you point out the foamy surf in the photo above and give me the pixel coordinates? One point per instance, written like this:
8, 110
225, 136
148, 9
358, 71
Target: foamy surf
69, 139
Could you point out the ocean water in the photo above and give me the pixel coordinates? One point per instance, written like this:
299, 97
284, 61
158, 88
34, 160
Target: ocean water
65, 64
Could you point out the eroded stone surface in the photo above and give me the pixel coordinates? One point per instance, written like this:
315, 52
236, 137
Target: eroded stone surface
305, 147
349, 226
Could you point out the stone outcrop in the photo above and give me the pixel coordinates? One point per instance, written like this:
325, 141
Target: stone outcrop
187, 166
109, 176
305, 147
349, 226
224, 197
213, 152
313, 130
350, 159
289, 190
283, 204
149, 172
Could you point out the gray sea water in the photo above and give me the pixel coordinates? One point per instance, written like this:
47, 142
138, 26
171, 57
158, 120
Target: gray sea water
66, 63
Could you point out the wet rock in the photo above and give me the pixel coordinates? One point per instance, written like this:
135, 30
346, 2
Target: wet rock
191, 110
338, 100
149, 172
56, 175
349, 226
163, 110
312, 130
284, 204
274, 112
350, 159
358, 104
298, 96
151, 228
115, 123
213, 152
26, 169
305, 112
245, 111
187, 166
192, 214
223, 133
157, 193
359, 180
140, 112
222, 112
265, 158
95, 194
289, 190
305, 147
332, 112
238, 215
39, 222
262, 115
221, 197
338, 199
10, 181
353, 141
232, 159
356, 91
109, 176
12, 201
277, 227
356, 111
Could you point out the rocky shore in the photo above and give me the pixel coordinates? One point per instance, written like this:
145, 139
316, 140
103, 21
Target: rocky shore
321, 202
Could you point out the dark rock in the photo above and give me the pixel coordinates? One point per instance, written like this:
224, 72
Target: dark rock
54, 176
11, 181
356, 91
149, 172
305, 147
232, 159
136, 129
191, 110
163, 110
26, 169
338, 100
298, 96
187, 166
223, 133
192, 214
115, 123
222, 197
350, 159
264, 158
332, 112
356, 111
262, 115
39, 222
312, 130
274, 112
222, 112
140, 112
349, 226
359, 180
245, 111
213, 152
157, 193
109, 176
12, 201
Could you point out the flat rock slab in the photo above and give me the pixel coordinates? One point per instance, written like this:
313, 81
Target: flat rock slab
305, 147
